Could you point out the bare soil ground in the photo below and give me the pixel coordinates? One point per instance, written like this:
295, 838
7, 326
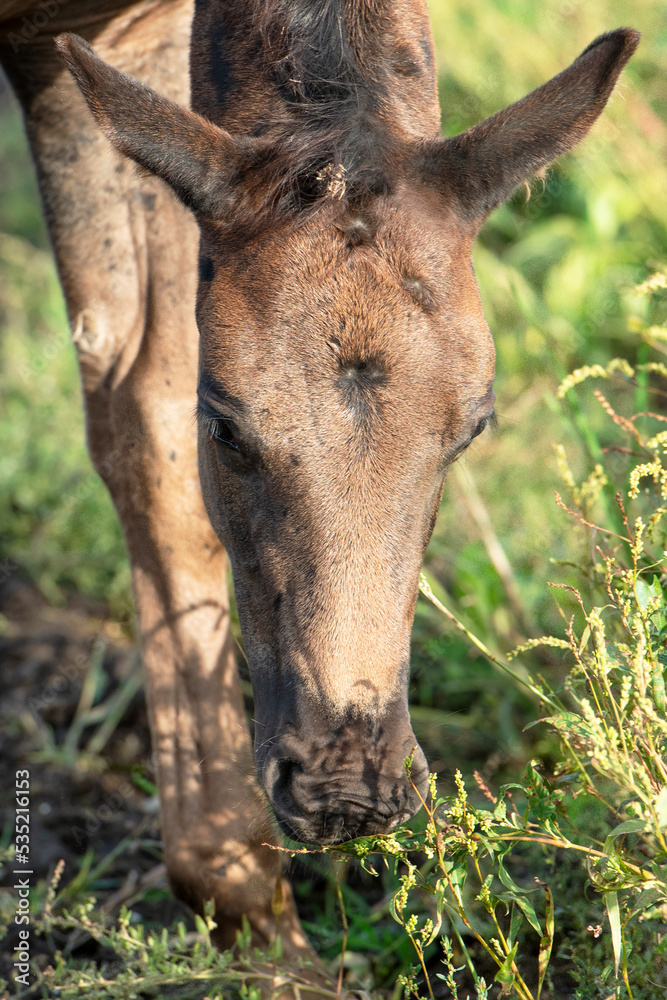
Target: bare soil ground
89, 805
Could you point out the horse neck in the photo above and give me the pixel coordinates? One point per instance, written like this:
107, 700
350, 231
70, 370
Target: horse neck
257, 63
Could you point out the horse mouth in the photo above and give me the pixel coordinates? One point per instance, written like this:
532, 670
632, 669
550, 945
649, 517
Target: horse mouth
332, 828
330, 813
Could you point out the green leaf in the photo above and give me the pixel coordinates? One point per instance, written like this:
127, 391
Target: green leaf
500, 812
645, 904
509, 787
584, 639
457, 877
630, 826
529, 913
518, 896
564, 720
658, 620
647, 593
611, 902
506, 878
546, 941
439, 900
515, 925
505, 976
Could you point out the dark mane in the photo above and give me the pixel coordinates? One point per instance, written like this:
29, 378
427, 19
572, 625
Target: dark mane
313, 50
328, 143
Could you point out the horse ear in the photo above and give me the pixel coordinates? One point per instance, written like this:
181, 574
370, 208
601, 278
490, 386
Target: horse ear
198, 160
483, 166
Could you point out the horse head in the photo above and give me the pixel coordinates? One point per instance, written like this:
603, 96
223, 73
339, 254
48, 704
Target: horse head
345, 362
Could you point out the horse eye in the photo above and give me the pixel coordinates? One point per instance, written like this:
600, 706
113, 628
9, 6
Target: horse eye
480, 427
484, 422
224, 432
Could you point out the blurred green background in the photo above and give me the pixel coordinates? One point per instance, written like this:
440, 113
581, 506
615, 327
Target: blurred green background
556, 273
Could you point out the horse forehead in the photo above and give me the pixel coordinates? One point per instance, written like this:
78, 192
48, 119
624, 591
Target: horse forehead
407, 236
310, 287
322, 323
307, 305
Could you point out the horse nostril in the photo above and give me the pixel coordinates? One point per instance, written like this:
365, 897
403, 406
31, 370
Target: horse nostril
287, 770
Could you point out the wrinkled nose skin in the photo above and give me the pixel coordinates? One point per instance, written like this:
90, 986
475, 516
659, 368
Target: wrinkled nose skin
348, 782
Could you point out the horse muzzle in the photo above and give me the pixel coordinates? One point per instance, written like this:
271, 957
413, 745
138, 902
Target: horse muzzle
330, 791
